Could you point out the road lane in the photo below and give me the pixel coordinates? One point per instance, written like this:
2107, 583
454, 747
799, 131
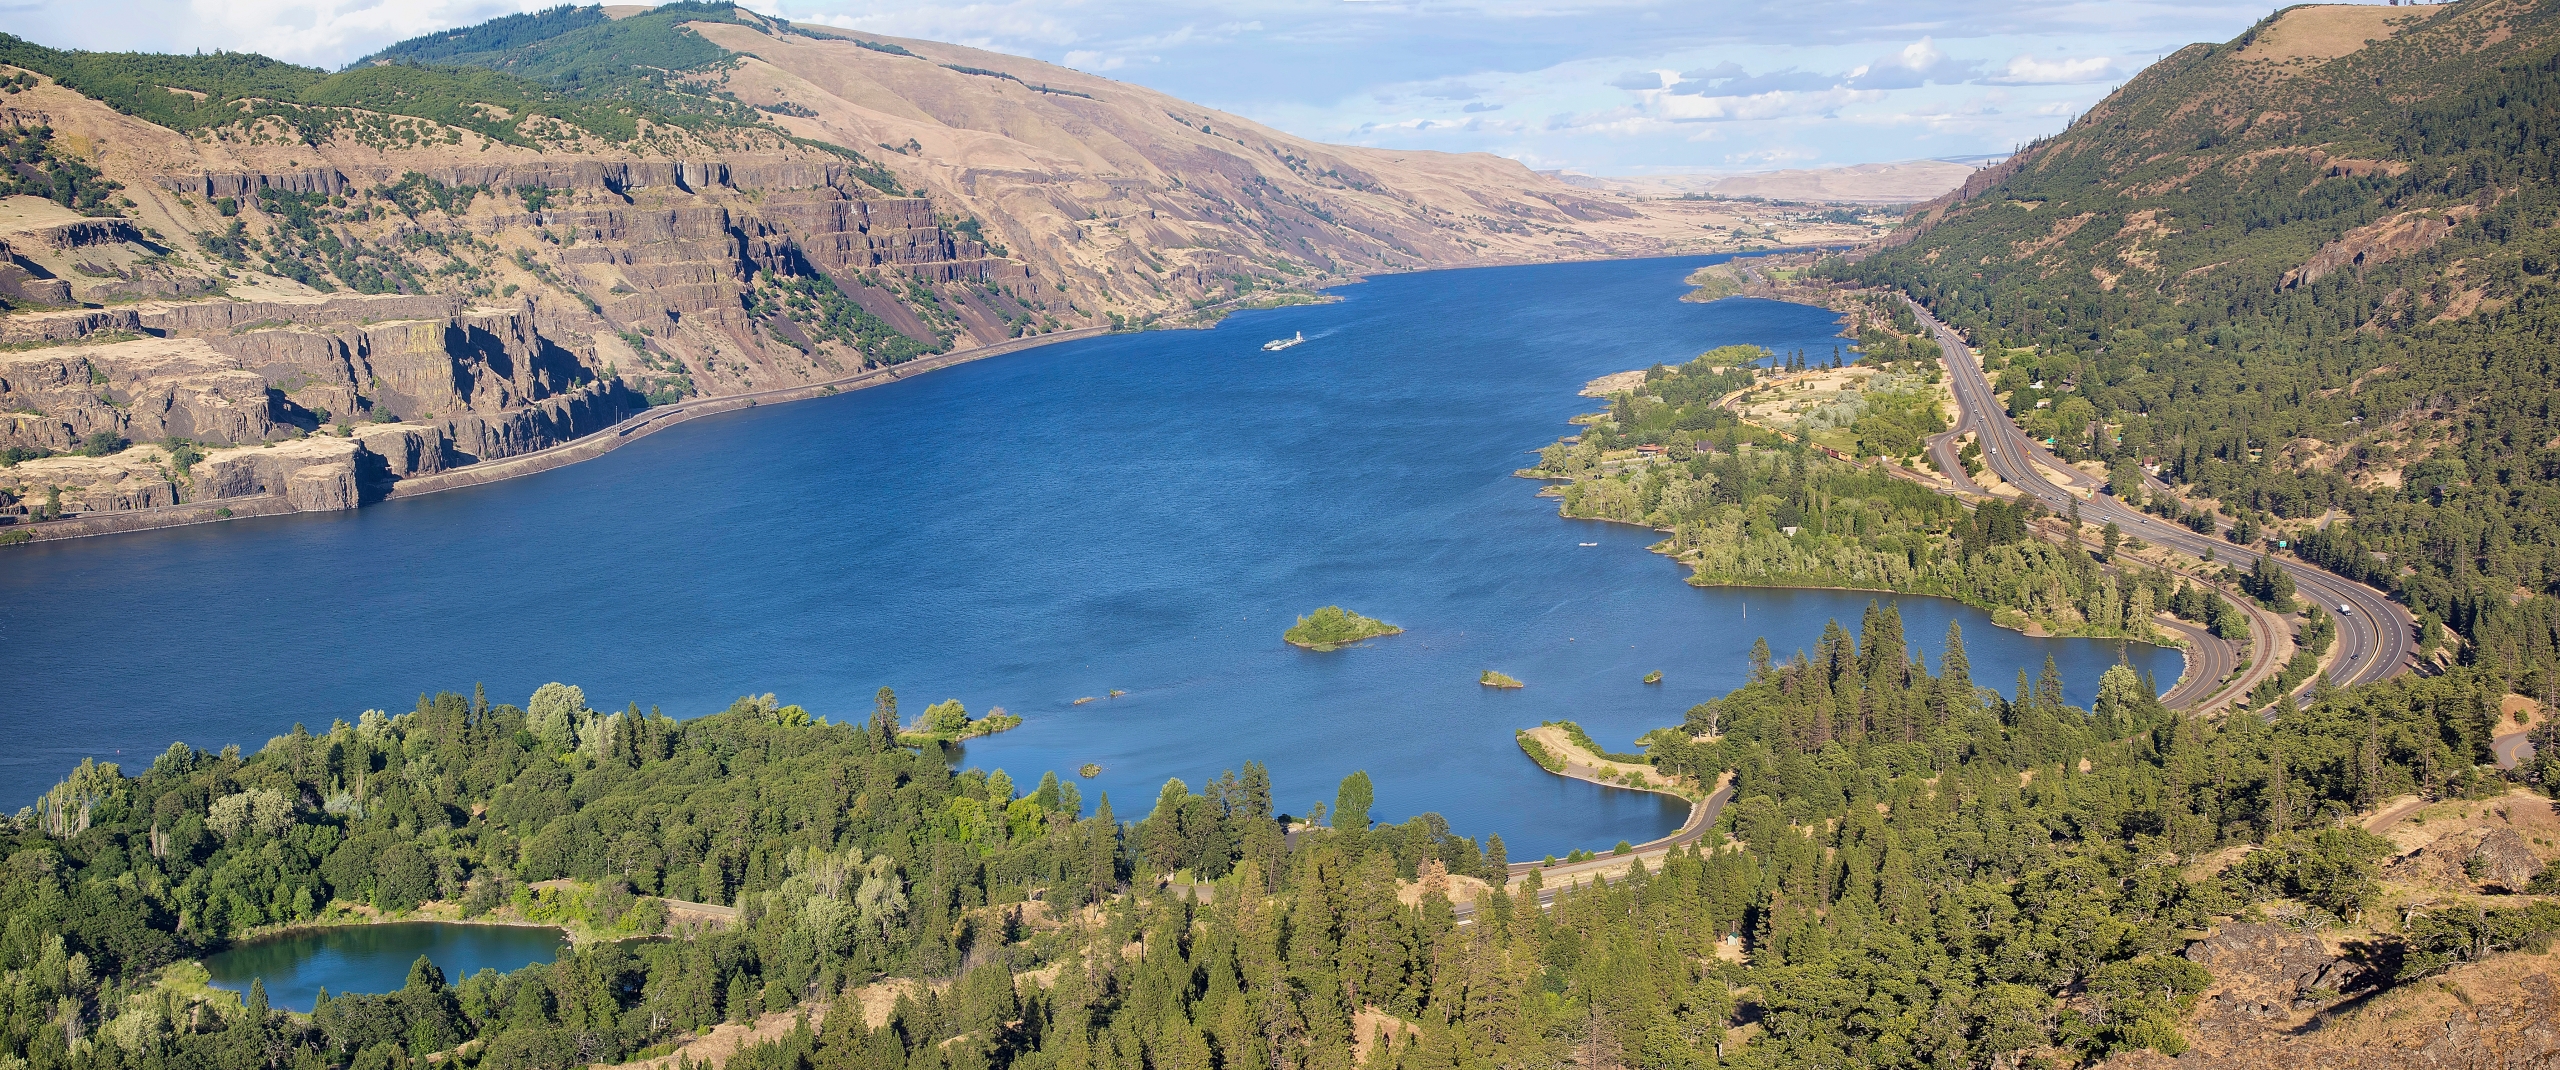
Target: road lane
2374, 634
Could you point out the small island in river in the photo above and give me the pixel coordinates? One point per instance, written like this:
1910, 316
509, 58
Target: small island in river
1498, 680
949, 722
1333, 628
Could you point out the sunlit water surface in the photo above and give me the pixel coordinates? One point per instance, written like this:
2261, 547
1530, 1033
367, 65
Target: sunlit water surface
1143, 513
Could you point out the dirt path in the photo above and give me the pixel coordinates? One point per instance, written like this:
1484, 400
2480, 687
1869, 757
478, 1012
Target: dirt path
2392, 812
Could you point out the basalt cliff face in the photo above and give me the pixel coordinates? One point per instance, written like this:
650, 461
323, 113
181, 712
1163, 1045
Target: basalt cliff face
432, 289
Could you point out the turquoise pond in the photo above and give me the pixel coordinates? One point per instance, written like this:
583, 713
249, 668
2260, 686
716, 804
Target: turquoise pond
295, 966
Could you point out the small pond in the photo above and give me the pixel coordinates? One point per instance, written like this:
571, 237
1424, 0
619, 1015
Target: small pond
375, 958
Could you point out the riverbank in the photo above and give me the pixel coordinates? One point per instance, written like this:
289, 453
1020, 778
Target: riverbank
1744, 504
646, 422
1556, 748
631, 429
1891, 325
564, 897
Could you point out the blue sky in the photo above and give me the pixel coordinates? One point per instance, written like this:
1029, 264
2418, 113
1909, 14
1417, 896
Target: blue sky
1617, 87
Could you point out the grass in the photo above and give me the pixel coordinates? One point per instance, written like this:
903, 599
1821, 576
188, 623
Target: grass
1582, 739
1333, 628
1538, 752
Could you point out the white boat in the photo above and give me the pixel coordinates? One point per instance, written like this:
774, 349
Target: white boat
1277, 344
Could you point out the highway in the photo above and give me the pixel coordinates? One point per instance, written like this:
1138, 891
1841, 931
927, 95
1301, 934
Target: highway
2375, 639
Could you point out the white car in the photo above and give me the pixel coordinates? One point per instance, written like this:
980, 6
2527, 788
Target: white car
2346, 610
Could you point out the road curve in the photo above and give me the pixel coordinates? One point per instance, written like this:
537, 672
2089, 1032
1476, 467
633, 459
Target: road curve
2208, 661
2511, 749
2374, 635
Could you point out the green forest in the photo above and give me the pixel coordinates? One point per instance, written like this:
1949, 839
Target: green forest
529, 80
850, 855
1727, 494
2232, 310
29, 166
1890, 824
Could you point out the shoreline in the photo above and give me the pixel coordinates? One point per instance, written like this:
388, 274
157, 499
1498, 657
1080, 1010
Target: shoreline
1703, 813
2032, 631
313, 925
658, 418
1753, 286
588, 447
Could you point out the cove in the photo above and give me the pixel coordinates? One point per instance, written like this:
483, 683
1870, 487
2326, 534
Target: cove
371, 959
1143, 512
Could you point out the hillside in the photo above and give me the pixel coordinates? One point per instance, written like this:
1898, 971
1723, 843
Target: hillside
1899, 182
523, 232
2306, 277
2301, 282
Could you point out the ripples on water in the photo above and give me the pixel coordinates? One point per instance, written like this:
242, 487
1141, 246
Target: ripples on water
1140, 512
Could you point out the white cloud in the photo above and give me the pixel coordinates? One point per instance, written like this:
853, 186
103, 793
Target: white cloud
1774, 104
2032, 70
1631, 83
1774, 156
1916, 64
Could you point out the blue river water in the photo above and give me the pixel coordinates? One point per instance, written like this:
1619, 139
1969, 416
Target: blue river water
369, 959
1143, 513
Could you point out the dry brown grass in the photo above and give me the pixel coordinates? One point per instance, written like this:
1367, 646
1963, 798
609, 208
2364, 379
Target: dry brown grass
2323, 32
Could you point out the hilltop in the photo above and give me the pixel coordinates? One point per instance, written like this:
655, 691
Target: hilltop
495, 240
2303, 280
2300, 285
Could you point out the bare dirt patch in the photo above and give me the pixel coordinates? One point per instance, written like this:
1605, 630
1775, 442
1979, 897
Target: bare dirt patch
1370, 1023
1587, 763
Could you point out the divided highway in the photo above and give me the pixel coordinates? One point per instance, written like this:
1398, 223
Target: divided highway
2375, 638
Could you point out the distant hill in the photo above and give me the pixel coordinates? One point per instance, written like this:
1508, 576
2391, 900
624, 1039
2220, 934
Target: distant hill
1903, 182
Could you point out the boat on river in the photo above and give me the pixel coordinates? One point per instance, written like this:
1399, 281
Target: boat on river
1277, 344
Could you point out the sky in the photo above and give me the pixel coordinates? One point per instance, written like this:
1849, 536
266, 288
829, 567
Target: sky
1603, 87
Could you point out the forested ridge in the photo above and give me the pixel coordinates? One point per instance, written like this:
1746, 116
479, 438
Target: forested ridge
850, 857
1916, 870
551, 78
2317, 293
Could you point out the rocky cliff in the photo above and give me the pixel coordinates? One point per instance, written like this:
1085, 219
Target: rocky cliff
494, 279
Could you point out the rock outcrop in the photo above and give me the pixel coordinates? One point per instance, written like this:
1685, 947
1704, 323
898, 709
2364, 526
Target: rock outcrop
2503, 863
2265, 972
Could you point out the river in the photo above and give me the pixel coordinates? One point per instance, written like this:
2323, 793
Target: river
1143, 513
